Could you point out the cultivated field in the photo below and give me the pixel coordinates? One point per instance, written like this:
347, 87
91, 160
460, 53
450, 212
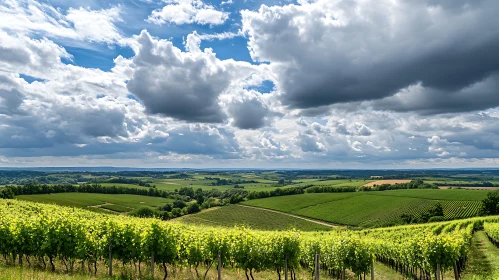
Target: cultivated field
113, 202
389, 182
234, 215
368, 209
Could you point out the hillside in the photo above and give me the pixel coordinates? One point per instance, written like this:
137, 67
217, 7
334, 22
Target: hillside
381, 208
58, 234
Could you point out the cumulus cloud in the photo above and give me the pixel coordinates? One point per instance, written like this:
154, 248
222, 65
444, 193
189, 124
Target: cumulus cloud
36, 17
395, 84
186, 12
248, 110
329, 52
182, 85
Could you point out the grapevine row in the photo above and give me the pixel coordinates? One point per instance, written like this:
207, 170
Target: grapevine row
52, 232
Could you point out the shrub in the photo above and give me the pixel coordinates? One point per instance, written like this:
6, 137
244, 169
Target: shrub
145, 212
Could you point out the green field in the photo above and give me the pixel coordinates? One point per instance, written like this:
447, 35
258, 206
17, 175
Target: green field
121, 202
123, 185
337, 183
368, 209
233, 215
451, 194
195, 183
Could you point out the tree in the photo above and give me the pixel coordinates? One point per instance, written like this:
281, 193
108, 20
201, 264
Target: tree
193, 208
187, 191
407, 218
179, 204
437, 210
490, 204
200, 198
144, 212
167, 207
176, 212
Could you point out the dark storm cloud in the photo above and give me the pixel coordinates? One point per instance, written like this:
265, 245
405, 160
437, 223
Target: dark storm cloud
332, 52
482, 95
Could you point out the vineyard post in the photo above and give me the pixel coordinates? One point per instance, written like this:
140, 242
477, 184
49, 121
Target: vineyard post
286, 269
152, 265
438, 271
316, 273
110, 260
372, 270
219, 265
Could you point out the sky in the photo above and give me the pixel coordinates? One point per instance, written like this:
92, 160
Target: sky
249, 83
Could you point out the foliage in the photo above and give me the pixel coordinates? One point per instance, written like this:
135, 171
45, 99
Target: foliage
490, 204
144, 212
32, 229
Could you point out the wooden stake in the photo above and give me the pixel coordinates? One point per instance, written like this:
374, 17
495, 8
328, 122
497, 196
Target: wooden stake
219, 265
110, 260
372, 270
152, 265
317, 272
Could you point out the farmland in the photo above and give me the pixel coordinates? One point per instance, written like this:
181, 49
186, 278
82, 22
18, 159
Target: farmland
390, 182
230, 216
114, 202
367, 209
358, 209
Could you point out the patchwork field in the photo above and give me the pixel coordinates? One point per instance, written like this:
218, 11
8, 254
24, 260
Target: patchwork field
390, 182
235, 215
112, 202
368, 209
337, 183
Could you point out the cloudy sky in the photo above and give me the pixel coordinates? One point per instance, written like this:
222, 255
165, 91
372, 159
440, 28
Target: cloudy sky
249, 83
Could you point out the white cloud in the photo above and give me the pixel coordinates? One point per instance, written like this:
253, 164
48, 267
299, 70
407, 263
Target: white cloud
34, 17
187, 12
183, 85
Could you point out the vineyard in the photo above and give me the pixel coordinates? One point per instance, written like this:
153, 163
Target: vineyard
235, 215
375, 208
48, 233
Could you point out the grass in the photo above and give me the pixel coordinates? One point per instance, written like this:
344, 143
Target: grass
374, 209
84, 200
234, 215
176, 273
483, 259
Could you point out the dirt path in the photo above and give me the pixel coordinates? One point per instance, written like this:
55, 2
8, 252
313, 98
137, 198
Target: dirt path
294, 216
100, 207
202, 211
